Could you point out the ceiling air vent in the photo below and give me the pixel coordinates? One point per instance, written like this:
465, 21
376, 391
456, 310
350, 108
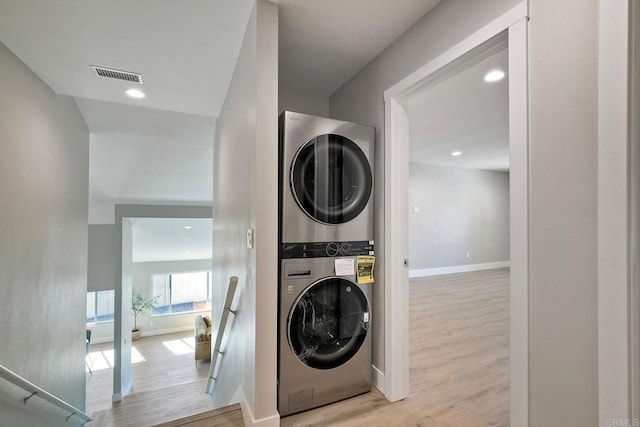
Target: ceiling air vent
118, 74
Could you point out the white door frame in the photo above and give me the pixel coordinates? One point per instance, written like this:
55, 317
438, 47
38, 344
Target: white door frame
634, 113
513, 25
618, 213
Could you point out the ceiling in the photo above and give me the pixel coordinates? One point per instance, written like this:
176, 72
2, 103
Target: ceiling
167, 239
143, 156
186, 54
323, 43
158, 150
463, 113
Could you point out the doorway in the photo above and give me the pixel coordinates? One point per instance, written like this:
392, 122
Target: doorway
123, 323
458, 222
512, 28
166, 264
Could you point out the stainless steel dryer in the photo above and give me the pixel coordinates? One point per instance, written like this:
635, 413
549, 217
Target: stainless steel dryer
324, 341
326, 179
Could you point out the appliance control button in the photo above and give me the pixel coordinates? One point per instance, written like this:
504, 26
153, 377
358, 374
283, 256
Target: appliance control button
332, 249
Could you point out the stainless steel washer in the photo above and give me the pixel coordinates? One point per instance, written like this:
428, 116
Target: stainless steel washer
324, 340
326, 179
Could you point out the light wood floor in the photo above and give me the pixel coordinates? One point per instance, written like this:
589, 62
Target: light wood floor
166, 384
459, 356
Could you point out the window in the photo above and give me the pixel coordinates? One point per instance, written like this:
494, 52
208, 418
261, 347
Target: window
100, 306
181, 292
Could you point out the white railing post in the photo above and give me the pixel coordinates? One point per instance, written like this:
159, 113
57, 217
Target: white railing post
231, 290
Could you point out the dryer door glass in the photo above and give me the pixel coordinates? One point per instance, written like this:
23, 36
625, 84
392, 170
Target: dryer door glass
329, 323
331, 179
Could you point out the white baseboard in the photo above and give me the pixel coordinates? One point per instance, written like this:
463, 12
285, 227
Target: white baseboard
124, 390
147, 334
238, 396
457, 269
378, 379
249, 418
166, 331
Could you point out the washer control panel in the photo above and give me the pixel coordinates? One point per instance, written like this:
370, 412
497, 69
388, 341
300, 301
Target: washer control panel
326, 249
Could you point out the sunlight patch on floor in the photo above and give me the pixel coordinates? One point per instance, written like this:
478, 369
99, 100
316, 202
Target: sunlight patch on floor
100, 360
136, 357
190, 341
179, 347
97, 361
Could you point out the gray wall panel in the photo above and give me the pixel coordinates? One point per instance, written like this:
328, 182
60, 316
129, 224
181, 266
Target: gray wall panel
459, 211
44, 177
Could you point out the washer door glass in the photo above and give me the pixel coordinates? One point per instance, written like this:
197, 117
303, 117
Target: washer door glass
331, 179
329, 323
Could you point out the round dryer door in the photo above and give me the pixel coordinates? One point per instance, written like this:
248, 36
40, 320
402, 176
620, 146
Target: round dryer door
328, 323
331, 179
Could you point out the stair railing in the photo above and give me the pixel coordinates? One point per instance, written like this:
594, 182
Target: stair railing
36, 391
216, 355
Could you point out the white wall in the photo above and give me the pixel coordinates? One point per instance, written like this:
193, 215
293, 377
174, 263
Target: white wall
563, 134
563, 131
302, 102
234, 209
361, 100
618, 219
245, 197
44, 175
460, 211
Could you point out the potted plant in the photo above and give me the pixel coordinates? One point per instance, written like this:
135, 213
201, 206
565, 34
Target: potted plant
139, 305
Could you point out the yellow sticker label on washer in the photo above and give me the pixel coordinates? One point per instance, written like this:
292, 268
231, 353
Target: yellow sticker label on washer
365, 268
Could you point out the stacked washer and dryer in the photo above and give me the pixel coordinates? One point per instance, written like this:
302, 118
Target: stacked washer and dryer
326, 223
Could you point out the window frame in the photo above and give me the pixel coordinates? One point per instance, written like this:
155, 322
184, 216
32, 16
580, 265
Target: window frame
95, 308
171, 313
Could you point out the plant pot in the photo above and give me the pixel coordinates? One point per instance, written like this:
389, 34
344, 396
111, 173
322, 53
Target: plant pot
135, 334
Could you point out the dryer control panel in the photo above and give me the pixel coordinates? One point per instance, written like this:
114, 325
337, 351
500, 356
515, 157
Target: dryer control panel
326, 249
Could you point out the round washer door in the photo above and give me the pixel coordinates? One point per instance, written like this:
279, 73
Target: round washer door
328, 323
331, 179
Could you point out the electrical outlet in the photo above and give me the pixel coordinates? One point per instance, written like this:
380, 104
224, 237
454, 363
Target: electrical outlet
467, 255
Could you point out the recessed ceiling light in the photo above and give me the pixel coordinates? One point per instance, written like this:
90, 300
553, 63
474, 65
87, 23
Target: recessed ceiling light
456, 153
494, 76
188, 227
135, 93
